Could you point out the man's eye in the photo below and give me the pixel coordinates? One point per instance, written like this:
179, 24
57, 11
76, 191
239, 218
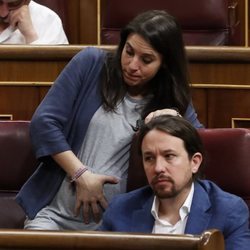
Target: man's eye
148, 158
169, 157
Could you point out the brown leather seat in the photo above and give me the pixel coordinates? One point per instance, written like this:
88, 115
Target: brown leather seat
227, 161
204, 22
17, 163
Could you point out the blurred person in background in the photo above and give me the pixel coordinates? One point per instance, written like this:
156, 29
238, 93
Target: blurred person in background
27, 22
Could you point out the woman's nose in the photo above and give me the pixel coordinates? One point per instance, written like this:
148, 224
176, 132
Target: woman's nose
134, 64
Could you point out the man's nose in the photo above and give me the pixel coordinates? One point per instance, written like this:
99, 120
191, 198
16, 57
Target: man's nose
160, 165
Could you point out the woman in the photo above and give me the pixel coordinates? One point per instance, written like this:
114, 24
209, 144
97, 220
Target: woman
82, 130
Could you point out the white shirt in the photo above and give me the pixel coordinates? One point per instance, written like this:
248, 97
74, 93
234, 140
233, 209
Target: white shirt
163, 226
47, 24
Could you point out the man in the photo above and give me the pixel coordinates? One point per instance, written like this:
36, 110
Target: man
26, 22
177, 201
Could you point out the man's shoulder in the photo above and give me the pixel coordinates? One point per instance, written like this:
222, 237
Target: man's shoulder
34, 6
216, 194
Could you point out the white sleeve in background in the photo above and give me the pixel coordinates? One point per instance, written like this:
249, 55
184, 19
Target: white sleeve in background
47, 24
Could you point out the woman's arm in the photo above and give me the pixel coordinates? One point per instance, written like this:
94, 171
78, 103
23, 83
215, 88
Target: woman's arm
89, 186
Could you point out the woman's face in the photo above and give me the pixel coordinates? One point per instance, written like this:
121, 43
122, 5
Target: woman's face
139, 61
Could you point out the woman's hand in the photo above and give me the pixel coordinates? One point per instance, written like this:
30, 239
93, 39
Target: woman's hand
90, 196
89, 186
161, 112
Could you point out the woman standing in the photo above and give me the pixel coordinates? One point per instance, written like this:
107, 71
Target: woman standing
83, 128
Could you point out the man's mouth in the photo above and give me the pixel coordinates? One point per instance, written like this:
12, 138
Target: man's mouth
161, 179
4, 19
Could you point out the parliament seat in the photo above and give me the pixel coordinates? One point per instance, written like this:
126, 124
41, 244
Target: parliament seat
204, 22
227, 164
17, 163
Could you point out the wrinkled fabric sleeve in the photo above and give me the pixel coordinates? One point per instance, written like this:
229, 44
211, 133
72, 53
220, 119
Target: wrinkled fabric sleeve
237, 233
191, 116
54, 114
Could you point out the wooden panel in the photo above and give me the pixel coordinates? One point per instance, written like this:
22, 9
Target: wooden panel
30, 71
220, 73
6, 117
20, 102
224, 104
43, 91
220, 79
31, 63
88, 22
73, 22
240, 122
219, 66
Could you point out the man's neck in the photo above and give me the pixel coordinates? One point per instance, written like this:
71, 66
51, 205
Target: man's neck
3, 26
169, 208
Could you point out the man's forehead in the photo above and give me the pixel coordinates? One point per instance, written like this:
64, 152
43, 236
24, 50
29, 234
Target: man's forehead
161, 139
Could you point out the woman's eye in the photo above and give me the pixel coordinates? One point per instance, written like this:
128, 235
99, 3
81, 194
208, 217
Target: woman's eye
129, 52
147, 60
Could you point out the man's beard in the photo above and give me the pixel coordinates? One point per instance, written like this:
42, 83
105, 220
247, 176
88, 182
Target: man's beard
171, 191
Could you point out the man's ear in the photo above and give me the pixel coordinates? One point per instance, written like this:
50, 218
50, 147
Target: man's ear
196, 162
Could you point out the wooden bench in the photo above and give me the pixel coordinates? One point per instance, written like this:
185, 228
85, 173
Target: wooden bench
50, 240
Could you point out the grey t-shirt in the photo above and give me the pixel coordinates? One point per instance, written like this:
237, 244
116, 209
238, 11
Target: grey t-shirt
105, 150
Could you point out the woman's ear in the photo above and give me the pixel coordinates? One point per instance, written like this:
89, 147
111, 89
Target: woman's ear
196, 162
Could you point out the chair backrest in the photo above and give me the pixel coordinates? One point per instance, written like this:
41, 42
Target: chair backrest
17, 163
204, 22
227, 161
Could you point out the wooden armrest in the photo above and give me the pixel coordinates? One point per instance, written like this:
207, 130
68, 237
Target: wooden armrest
29, 239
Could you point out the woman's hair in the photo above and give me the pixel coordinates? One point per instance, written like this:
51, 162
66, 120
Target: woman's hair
180, 128
170, 87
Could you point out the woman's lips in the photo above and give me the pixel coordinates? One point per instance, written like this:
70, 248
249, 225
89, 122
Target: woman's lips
131, 76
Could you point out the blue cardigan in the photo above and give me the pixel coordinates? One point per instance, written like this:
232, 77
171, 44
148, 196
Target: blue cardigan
60, 123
